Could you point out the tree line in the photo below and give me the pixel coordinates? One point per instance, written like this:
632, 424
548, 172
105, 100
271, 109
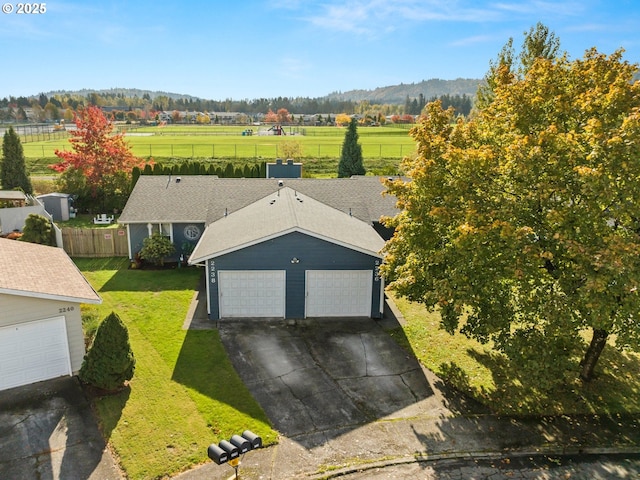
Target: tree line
61, 106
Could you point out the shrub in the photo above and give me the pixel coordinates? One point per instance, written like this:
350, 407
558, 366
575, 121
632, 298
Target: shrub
109, 363
38, 229
155, 248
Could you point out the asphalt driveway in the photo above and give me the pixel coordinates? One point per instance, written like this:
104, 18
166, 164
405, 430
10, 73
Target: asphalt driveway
48, 431
317, 378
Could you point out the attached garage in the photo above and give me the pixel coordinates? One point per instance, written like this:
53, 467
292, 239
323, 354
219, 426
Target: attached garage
33, 351
290, 256
41, 334
338, 293
252, 293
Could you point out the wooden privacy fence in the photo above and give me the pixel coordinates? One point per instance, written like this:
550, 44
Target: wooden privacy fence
95, 242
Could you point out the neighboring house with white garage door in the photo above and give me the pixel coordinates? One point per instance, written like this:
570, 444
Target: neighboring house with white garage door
41, 335
289, 248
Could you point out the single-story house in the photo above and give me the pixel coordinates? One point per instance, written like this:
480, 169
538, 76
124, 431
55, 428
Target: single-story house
283, 248
41, 334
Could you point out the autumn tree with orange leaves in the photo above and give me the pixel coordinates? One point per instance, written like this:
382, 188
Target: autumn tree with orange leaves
98, 167
521, 225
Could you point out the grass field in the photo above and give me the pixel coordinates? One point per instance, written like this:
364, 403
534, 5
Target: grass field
382, 147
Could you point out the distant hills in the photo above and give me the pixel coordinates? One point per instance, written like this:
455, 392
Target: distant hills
122, 92
393, 94
397, 94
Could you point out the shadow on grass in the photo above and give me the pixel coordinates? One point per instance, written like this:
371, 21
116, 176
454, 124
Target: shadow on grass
455, 390
132, 280
109, 409
203, 366
521, 391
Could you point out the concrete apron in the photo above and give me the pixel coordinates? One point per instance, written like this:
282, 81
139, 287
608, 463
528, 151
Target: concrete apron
48, 431
320, 378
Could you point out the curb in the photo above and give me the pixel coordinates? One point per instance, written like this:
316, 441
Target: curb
478, 455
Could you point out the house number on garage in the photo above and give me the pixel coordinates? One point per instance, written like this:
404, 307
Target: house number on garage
212, 271
65, 309
376, 271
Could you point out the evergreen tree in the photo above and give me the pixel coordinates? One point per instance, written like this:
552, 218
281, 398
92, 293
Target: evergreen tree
38, 229
351, 156
13, 172
110, 362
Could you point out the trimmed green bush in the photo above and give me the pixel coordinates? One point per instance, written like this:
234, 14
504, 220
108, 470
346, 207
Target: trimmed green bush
109, 363
38, 229
156, 248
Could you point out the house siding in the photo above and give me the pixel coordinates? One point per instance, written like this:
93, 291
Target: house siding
276, 254
17, 309
139, 231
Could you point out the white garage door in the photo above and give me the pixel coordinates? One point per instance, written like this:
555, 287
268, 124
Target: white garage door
34, 351
251, 293
339, 293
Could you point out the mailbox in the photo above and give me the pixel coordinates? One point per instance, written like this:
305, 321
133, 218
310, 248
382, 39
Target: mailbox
217, 454
232, 451
242, 444
255, 440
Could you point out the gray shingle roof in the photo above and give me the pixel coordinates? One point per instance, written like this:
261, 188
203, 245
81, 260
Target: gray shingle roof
32, 270
282, 212
160, 198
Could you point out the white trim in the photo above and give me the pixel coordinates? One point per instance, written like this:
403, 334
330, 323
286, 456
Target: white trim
49, 296
381, 295
129, 241
280, 234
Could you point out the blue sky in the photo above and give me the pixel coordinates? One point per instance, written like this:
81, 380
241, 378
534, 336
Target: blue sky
263, 49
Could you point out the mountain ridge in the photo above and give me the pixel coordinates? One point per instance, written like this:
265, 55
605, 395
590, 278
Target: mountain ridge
392, 94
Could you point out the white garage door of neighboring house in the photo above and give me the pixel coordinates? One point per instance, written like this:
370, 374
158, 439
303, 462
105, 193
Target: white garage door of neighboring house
339, 293
251, 293
34, 351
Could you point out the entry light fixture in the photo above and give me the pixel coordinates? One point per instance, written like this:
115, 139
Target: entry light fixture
295, 260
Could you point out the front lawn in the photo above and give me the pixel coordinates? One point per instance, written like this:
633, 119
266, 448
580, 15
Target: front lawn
489, 377
184, 394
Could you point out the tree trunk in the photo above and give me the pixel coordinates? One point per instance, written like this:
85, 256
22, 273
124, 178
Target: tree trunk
598, 341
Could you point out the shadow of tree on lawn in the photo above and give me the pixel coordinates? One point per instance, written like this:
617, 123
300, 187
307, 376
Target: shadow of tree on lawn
520, 390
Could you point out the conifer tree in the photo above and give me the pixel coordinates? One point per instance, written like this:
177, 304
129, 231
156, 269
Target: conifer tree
38, 229
110, 362
351, 156
13, 172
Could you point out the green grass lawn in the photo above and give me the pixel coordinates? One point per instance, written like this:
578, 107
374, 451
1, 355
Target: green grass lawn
489, 377
382, 147
185, 394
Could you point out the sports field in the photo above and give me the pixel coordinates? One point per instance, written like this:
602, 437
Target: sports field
320, 147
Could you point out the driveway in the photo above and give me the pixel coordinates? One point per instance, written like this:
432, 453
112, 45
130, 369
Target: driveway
48, 431
317, 379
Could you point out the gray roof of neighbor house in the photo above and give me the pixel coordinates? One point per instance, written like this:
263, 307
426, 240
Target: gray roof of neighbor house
282, 212
32, 270
198, 198
12, 195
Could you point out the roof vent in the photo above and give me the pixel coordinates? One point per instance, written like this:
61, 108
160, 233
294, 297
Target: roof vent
280, 183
